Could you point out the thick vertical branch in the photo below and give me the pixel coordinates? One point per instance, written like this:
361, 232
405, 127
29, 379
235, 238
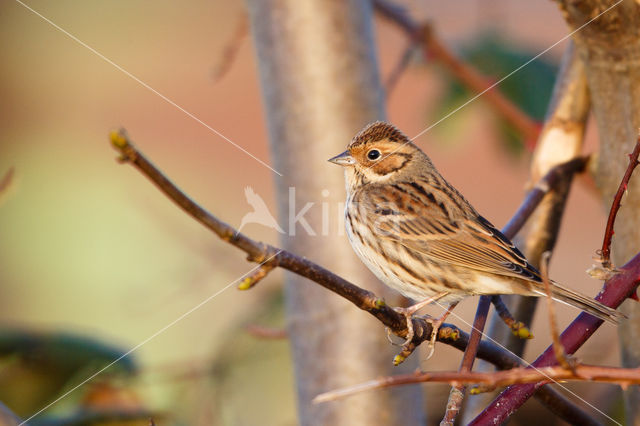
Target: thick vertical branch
610, 49
320, 85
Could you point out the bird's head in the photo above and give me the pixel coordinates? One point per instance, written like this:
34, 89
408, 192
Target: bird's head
380, 153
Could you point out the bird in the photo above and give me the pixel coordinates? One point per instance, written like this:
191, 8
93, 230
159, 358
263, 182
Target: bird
260, 213
421, 237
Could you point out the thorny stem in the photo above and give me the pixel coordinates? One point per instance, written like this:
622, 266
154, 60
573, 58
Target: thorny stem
605, 253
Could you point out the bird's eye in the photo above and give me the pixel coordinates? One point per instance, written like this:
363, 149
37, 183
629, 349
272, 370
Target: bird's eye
374, 154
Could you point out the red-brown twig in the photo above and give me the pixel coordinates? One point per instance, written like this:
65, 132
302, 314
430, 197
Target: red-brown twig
605, 252
616, 290
424, 35
582, 372
6, 183
270, 333
230, 51
456, 395
558, 349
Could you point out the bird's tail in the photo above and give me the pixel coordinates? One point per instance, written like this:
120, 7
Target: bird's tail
591, 306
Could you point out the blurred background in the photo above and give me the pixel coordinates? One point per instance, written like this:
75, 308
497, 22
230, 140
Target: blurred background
94, 261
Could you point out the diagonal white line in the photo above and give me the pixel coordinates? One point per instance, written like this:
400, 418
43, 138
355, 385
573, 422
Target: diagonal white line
146, 86
529, 364
450, 113
145, 341
516, 70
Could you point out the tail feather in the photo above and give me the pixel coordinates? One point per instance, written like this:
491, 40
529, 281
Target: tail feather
575, 299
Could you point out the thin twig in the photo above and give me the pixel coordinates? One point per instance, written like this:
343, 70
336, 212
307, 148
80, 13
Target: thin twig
605, 252
534, 197
258, 252
518, 328
558, 349
466, 74
616, 290
231, 49
398, 70
456, 394
269, 333
582, 372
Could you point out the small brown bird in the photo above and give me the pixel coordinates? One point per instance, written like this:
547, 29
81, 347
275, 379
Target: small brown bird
421, 237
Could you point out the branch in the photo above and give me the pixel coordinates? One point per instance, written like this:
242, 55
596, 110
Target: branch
271, 257
558, 349
518, 328
260, 252
562, 173
456, 394
591, 373
615, 206
401, 66
424, 35
561, 140
231, 49
615, 291
557, 174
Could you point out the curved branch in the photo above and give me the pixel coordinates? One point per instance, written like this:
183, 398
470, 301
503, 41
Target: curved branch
259, 252
425, 36
616, 290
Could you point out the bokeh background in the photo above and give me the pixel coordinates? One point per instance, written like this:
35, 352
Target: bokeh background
95, 261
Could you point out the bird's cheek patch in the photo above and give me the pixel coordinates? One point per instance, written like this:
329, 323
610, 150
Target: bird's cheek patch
390, 164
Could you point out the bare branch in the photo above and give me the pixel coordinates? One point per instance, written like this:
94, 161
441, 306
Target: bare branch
518, 328
615, 291
558, 349
365, 300
401, 66
456, 395
230, 51
262, 332
605, 252
424, 35
591, 373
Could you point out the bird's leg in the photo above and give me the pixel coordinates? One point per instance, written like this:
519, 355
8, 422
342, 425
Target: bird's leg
436, 327
410, 310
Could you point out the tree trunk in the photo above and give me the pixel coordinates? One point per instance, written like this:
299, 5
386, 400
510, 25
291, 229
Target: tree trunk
610, 49
320, 85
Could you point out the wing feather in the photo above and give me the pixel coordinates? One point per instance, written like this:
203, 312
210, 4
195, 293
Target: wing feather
426, 223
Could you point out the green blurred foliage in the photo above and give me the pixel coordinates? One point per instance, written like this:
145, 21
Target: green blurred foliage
495, 57
38, 366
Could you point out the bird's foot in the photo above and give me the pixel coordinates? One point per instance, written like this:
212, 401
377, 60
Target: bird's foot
410, 310
436, 324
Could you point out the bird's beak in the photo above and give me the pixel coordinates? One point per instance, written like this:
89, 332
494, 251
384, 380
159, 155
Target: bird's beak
344, 159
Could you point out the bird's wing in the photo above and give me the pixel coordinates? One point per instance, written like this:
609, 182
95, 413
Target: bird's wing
424, 219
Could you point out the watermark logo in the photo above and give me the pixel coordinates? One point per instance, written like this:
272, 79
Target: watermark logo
318, 218
260, 214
